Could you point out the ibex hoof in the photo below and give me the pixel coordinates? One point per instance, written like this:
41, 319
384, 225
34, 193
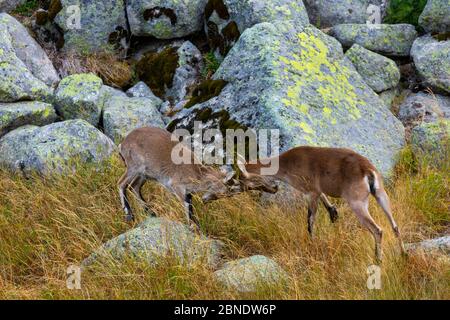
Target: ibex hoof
129, 218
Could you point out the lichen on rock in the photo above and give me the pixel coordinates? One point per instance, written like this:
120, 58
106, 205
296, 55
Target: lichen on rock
379, 72
296, 79
386, 39
78, 96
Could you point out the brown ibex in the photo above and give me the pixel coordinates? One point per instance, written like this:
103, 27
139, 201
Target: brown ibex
147, 153
339, 173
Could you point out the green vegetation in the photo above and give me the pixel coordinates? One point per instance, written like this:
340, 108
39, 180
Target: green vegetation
158, 69
212, 64
405, 11
205, 91
27, 8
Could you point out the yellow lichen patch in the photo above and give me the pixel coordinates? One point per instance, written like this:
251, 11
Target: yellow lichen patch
312, 69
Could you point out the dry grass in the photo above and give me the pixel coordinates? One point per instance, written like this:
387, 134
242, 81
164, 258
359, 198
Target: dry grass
47, 225
113, 71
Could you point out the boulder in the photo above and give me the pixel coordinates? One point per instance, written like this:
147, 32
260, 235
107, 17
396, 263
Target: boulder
297, 79
423, 107
141, 90
165, 19
14, 115
432, 61
16, 81
433, 245
29, 51
386, 39
225, 20
101, 24
379, 72
121, 115
436, 16
190, 64
55, 148
328, 13
249, 274
78, 96
159, 238
8, 5
431, 137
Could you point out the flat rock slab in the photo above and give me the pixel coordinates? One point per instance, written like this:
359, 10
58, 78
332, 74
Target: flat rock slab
386, 39
379, 72
15, 115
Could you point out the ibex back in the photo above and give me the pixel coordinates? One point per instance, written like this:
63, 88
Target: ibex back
340, 173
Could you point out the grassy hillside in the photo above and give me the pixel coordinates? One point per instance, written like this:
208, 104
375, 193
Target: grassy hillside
47, 225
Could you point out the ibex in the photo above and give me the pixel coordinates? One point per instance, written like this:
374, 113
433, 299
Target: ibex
147, 153
339, 173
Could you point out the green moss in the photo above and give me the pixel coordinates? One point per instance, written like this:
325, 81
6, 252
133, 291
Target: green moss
27, 8
219, 7
158, 69
205, 91
405, 11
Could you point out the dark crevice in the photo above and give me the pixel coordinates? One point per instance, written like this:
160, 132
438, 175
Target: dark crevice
157, 12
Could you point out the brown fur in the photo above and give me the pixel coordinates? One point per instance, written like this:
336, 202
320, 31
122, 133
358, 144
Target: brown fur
147, 153
335, 172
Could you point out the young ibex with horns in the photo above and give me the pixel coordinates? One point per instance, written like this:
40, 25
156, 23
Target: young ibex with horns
339, 173
147, 153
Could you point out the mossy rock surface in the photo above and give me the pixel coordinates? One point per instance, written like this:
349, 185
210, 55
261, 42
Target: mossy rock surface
122, 115
29, 51
431, 137
379, 72
432, 61
165, 19
54, 149
205, 91
297, 79
14, 115
436, 16
156, 239
392, 40
100, 22
78, 96
249, 274
157, 70
227, 19
17, 82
